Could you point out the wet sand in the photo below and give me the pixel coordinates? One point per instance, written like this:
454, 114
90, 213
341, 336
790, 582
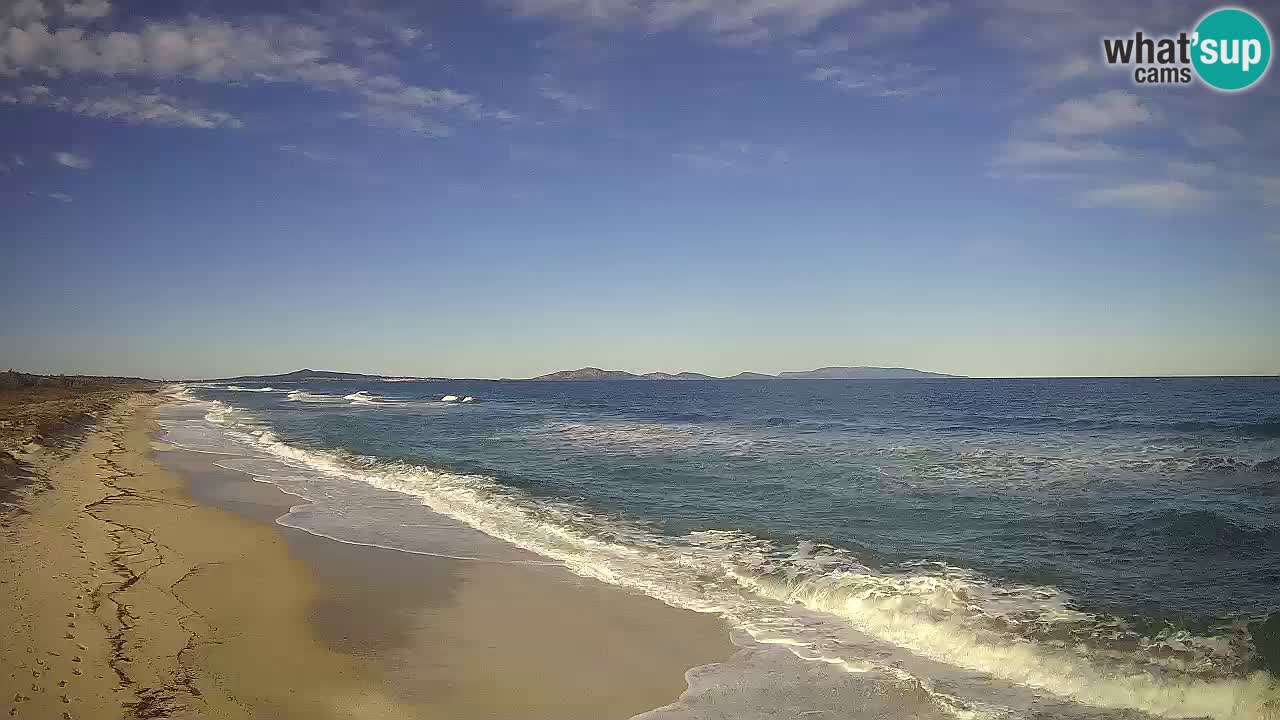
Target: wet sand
137, 588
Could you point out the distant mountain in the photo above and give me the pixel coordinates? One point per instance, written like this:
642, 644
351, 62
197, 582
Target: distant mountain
826, 373
589, 373
595, 373
677, 376
861, 373
308, 375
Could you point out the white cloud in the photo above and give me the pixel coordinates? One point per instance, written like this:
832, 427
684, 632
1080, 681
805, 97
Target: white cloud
1111, 110
1072, 67
876, 79
155, 109
200, 48
1161, 195
87, 9
71, 160
736, 22
1036, 152
59, 196
134, 108
551, 89
406, 35
264, 50
317, 156
908, 20
399, 118
1212, 135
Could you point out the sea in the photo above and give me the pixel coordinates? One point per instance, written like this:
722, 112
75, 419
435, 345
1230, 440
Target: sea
963, 548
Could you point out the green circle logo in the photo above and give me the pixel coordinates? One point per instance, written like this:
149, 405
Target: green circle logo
1232, 49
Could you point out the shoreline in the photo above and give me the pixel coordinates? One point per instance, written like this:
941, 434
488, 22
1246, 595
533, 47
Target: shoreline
186, 599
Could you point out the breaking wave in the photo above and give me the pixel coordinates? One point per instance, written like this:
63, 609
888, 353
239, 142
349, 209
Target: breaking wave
363, 398
822, 603
303, 396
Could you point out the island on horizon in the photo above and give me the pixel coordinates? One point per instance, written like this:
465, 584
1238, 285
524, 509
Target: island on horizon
824, 373
595, 373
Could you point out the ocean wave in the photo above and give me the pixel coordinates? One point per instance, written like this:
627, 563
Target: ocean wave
823, 604
642, 436
1203, 531
237, 388
363, 398
940, 613
304, 396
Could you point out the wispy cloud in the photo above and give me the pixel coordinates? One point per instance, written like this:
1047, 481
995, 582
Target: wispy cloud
267, 49
908, 20
11, 164
1160, 195
317, 156
732, 156
1068, 69
874, 78
71, 160
551, 89
75, 11
407, 120
135, 108
1111, 110
57, 196
733, 22
1040, 152
1213, 135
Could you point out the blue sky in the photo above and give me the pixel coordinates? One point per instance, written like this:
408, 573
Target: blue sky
501, 188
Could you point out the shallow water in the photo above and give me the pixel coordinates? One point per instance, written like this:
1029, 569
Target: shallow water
969, 547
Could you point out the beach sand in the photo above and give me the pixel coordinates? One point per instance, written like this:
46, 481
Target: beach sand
151, 584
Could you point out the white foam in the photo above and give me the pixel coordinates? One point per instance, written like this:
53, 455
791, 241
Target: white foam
363, 398
238, 388
449, 398
304, 396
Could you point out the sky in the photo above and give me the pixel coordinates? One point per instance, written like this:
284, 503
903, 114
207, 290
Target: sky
502, 188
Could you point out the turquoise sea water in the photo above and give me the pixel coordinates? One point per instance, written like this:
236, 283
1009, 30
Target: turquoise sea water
1003, 548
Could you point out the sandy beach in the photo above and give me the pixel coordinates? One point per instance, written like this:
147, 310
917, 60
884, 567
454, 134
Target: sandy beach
139, 581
